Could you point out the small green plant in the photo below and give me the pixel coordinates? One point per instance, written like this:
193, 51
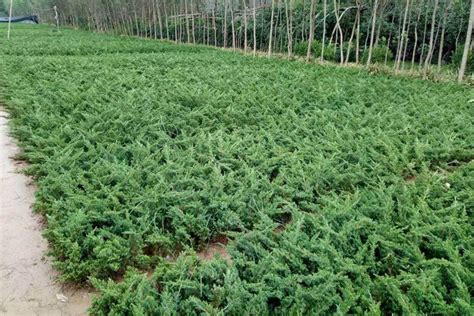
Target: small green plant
301, 49
457, 57
379, 54
352, 53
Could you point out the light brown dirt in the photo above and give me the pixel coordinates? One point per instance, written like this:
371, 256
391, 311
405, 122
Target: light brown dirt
28, 283
215, 247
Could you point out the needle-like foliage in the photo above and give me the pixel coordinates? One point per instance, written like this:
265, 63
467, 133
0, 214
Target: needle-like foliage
339, 191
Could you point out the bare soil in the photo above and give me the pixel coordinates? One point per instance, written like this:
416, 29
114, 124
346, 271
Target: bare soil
215, 247
28, 283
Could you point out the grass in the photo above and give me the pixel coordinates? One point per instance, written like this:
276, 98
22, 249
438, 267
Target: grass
337, 191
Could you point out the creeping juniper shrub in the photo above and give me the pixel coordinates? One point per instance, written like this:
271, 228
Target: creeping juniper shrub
340, 192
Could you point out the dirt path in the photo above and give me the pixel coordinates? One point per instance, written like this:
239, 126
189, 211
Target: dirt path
27, 280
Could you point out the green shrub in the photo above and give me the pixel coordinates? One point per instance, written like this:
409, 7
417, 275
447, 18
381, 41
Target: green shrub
339, 192
134, 296
301, 49
361, 264
352, 55
457, 57
378, 54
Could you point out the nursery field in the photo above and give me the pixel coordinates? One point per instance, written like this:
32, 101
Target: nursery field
326, 190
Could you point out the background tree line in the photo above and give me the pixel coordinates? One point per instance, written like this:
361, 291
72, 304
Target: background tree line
405, 34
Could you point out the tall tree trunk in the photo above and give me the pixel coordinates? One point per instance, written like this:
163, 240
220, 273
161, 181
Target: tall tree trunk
224, 30
403, 36
205, 29
381, 20
415, 45
166, 22
271, 29
291, 25
467, 44
160, 22
276, 27
10, 11
289, 30
423, 42
341, 36
302, 19
155, 31
399, 42
176, 24
359, 5
232, 23
407, 36
254, 13
389, 41
187, 21
324, 29
214, 26
430, 48
367, 36
137, 28
262, 23
456, 44
192, 23
311, 29
245, 25
351, 38
374, 20
441, 42
434, 43
181, 30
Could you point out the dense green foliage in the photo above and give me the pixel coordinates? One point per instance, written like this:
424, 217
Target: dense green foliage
301, 49
380, 54
457, 57
339, 191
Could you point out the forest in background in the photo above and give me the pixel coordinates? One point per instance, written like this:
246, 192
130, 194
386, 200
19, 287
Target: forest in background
407, 34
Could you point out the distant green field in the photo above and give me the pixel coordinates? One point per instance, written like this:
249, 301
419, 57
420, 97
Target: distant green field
335, 191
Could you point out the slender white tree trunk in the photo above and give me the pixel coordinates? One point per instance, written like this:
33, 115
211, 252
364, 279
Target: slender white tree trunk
441, 42
430, 48
358, 31
187, 21
214, 26
341, 37
224, 30
311, 30
254, 28
245, 25
416, 39
403, 36
289, 28
407, 37
232, 25
271, 30
467, 44
10, 19
192, 23
423, 43
374, 20
324, 29
349, 45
